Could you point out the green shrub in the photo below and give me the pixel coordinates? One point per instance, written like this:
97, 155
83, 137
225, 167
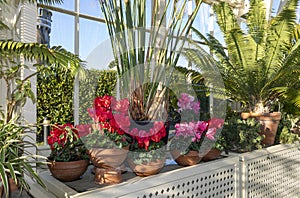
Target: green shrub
55, 90
96, 83
54, 96
241, 135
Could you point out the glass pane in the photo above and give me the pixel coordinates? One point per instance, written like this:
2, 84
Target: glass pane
94, 45
91, 7
62, 31
67, 5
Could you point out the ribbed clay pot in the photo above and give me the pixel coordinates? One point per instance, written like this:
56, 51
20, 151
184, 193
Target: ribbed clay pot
68, 171
107, 158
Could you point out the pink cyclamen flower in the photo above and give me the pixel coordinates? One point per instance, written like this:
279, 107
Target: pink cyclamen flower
185, 102
211, 132
196, 106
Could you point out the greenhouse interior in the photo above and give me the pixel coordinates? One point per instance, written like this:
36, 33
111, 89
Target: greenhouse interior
149, 98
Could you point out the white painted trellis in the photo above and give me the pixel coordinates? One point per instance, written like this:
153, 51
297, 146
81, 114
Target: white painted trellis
271, 172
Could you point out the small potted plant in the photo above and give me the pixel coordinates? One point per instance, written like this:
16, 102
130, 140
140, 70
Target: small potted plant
241, 135
106, 140
190, 133
114, 135
14, 166
68, 159
147, 151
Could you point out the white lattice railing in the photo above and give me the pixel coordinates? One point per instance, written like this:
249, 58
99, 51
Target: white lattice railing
272, 172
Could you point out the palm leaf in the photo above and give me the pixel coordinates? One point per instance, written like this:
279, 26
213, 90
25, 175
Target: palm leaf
256, 20
279, 37
34, 51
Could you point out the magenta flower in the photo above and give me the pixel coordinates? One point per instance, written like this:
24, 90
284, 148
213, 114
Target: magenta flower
185, 102
210, 134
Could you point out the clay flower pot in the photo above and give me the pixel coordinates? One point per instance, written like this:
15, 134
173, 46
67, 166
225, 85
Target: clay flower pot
189, 159
108, 176
270, 123
107, 158
68, 171
146, 169
211, 155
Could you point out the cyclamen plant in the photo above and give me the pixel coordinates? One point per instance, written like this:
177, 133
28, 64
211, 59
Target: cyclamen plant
65, 143
189, 135
113, 128
111, 122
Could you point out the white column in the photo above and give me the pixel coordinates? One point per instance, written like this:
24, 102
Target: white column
76, 82
28, 34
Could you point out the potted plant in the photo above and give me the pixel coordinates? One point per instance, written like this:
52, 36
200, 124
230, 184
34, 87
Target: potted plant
107, 136
68, 159
258, 61
14, 166
145, 52
113, 135
190, 133
241, 135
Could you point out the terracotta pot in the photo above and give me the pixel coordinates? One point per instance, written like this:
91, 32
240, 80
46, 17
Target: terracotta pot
189, 159
211, 155
270, 123
108, 176
68, 171
146, 169
107, 158
12, 186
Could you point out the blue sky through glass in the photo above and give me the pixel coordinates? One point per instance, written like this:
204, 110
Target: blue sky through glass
93, 33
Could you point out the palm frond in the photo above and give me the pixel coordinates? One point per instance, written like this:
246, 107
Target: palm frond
280, 36
256, 20
34, 51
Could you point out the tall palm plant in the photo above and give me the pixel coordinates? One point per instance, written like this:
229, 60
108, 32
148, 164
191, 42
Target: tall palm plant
145, 56
259, 57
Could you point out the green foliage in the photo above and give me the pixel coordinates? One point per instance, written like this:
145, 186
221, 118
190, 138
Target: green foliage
97, 83
287, 137
241, 135
287, 129
66, 145
55, 88
261, 57
105, 139
12, 163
